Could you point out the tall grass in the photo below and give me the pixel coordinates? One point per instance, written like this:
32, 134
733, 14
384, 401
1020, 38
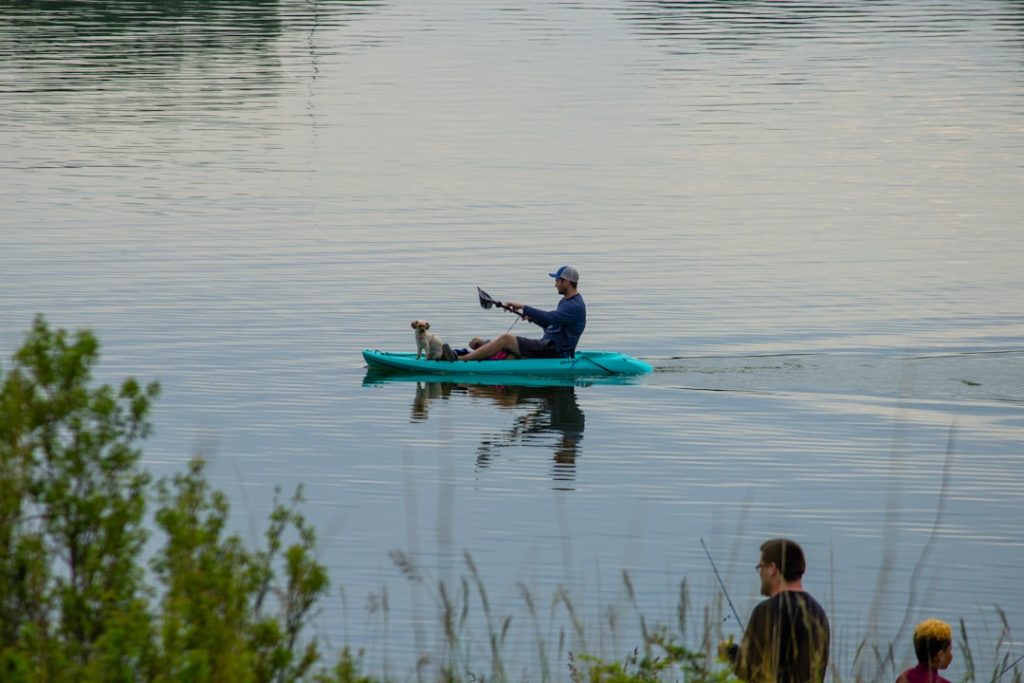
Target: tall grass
476, 641
569, 637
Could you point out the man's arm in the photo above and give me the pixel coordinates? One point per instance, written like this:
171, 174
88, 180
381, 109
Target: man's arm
569, 311
538, 316
751, 658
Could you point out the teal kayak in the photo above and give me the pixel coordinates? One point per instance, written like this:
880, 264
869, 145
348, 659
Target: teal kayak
584, 364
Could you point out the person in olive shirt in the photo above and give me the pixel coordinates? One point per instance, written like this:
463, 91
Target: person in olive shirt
787, 638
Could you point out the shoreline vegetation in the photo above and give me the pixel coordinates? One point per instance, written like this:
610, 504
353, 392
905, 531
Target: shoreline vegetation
83, 597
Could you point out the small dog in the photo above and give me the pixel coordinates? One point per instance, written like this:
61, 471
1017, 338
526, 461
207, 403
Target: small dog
427, 343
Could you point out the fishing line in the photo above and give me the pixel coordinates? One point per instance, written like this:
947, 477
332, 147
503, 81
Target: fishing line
722, 584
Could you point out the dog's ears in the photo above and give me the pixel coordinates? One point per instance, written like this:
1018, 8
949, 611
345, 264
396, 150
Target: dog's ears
426, 325
413, 324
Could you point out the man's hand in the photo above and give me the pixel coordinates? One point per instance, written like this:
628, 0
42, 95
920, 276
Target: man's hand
515, 305
728, 650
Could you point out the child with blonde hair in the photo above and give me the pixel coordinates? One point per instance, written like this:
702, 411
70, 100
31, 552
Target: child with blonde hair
933, 645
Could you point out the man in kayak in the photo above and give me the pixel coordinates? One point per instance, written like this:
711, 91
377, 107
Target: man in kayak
562, 326
787, 638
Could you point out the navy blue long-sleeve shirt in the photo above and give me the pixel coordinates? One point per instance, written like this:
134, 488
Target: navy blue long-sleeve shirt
562, 326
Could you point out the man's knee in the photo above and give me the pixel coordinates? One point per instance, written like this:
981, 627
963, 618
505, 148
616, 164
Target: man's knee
510, 342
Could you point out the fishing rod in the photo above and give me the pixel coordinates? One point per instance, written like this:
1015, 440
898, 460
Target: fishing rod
722, 584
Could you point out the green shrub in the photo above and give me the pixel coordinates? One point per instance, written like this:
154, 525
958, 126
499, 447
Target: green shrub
76, 602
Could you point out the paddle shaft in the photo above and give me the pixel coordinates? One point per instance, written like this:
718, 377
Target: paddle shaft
512, 310
486, 301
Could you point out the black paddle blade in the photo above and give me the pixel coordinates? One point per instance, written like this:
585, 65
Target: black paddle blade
486, 302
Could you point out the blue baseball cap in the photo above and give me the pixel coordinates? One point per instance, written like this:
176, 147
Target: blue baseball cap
566, 273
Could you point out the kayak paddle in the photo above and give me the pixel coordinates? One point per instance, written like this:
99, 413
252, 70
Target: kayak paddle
487, 302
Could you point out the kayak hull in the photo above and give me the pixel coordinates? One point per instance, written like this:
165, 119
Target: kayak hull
584, 364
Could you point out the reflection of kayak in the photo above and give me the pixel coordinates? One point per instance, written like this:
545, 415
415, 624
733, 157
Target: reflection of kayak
584, 364
378, 376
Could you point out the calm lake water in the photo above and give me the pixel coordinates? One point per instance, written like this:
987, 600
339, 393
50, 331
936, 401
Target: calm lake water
806, 216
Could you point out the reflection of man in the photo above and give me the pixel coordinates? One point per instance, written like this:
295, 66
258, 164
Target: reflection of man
556, 411
787, 638
564, 466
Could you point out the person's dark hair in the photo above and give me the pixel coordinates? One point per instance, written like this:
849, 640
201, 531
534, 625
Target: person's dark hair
931, 637
787, 555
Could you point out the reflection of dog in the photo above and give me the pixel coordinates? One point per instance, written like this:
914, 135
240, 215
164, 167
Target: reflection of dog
425, 393
427, 344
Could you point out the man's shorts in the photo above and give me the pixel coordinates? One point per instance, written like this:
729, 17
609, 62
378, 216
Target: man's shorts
536, 348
